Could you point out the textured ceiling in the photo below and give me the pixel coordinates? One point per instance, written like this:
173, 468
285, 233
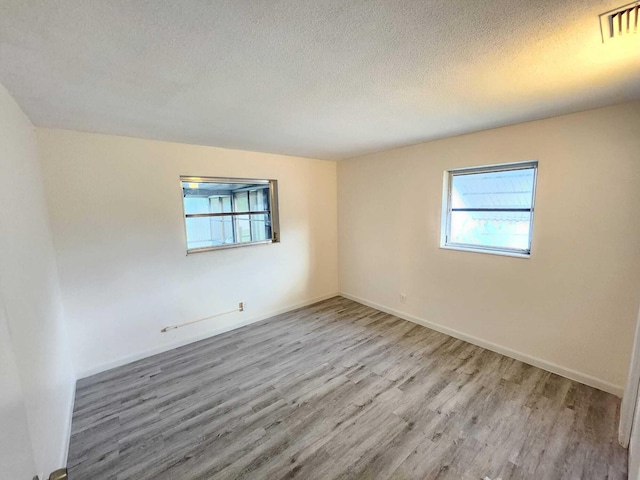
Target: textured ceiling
317, 78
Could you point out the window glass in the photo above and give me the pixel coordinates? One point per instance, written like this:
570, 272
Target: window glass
491, 208
207, 202
506, 189
491, 229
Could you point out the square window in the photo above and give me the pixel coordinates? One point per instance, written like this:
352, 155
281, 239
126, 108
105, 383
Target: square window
229, 212
490, 209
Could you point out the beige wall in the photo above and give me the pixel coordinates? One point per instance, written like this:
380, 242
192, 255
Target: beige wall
571, 307
36, 376
116, 210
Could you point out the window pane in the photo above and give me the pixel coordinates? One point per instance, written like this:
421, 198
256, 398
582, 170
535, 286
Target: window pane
219, 204
243, 228
197, 197
252, 228
196, 205
232, 203
491, 229
259, 199
260, 227
507, 189
241, 202
209, 231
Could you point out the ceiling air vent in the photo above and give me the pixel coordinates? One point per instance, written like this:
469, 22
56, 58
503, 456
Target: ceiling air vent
620, 21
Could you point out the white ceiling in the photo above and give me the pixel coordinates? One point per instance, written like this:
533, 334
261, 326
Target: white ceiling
317, 78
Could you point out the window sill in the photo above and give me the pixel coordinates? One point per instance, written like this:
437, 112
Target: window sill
228, 246
484, 250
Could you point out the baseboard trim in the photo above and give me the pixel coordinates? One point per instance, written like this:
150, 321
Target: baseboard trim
212, 333
569, 373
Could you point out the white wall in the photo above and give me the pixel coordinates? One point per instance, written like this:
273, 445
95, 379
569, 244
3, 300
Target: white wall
116, 211
37, 382
572, 306
16, 453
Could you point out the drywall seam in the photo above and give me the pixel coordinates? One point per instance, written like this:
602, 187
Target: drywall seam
212, 333
586, 379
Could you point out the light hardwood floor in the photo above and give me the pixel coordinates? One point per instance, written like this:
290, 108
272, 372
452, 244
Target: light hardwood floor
339, 390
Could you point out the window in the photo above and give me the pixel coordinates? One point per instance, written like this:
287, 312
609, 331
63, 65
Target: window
229, 212
490, 209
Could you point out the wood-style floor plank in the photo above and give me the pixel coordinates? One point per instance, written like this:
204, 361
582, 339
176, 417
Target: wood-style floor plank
338, 390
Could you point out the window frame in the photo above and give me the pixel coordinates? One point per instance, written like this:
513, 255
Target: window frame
445, 230
272, 212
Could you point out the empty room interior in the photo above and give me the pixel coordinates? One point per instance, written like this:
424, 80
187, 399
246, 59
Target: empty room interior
357, 239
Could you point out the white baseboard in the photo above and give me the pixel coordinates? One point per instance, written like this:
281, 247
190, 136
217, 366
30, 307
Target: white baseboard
584, 378
164, 348
536, 362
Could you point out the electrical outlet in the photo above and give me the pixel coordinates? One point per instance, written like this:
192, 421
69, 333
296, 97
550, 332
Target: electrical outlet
403, 298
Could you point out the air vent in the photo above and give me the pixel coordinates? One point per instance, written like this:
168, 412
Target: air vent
621, 21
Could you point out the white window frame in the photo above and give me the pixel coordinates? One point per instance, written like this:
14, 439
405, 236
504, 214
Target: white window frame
273, 211
445, 230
